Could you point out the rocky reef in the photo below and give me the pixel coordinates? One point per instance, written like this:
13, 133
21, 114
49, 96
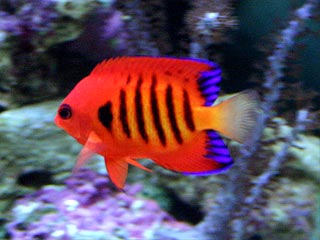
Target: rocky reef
37, 155
89, 207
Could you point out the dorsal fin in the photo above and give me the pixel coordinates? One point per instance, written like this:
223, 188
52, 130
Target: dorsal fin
192, 74
209, 85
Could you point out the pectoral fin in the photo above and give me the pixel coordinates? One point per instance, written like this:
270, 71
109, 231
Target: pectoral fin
83, 158
93, 145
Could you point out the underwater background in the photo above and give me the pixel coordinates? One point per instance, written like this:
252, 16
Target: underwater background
272, 191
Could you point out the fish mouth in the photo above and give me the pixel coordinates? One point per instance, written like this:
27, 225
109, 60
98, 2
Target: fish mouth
74, 134
56, 121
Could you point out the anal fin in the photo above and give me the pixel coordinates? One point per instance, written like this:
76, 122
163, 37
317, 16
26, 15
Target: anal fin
217, 150
205, 154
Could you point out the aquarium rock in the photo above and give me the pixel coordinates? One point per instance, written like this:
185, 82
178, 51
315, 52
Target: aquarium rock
33, 151
89, 207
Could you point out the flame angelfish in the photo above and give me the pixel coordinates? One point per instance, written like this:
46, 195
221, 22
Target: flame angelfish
130, 108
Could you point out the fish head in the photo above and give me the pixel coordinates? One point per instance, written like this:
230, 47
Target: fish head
70, 120
75, 114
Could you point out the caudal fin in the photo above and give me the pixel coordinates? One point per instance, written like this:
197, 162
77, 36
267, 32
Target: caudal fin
238, 118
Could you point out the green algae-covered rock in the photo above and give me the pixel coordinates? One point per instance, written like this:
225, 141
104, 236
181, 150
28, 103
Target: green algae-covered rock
303, 154
30, 142
307, 155
29, 138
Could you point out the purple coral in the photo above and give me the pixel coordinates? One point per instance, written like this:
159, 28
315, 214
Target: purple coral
9, 23
29, 19
88, 206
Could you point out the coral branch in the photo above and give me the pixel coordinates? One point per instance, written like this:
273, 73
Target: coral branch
230, 217
277, 161
276, 60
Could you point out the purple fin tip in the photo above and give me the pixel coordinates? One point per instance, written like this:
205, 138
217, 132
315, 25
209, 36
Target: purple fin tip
208, 84
217, 151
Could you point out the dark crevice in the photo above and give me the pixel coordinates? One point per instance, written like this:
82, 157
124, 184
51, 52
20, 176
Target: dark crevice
35, 178
183, 211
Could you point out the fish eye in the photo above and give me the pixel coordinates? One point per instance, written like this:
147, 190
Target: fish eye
65, 111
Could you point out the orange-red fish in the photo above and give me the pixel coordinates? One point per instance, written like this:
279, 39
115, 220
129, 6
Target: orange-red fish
130, 108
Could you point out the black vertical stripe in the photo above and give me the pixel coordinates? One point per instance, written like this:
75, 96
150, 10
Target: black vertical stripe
105, 115
128, 79
171, 115
139, 111
187, 111
123, 113
155, 111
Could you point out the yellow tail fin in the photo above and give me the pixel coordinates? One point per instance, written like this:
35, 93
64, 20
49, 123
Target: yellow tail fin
238, 118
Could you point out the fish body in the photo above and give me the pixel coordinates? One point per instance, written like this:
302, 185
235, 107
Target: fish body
130, 108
